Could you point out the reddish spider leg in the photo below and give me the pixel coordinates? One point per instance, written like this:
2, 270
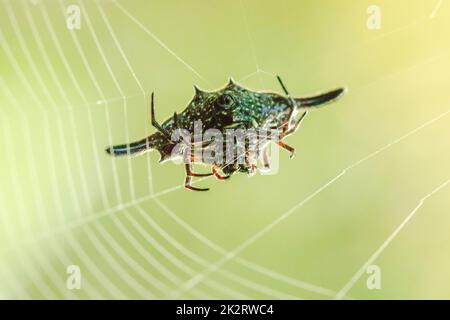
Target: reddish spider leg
285, 126
188, 166
190, 173
217, 174
288, 132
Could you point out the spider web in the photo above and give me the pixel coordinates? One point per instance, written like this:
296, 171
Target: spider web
160, 265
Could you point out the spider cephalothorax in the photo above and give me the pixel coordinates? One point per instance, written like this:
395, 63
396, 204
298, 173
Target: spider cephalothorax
231, 108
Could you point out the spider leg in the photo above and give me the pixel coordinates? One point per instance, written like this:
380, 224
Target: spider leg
287, 147
295, 127
188, 179
292, 101
191, 173
252, 169
187, 185
282, 85
290, 131
155, 123
218, 175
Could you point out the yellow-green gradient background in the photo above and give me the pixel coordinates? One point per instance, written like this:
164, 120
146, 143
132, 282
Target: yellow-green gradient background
136, 233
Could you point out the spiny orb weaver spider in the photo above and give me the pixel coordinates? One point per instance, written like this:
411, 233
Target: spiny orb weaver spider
230, 108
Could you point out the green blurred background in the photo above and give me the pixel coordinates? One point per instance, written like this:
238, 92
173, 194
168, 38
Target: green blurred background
135, 232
